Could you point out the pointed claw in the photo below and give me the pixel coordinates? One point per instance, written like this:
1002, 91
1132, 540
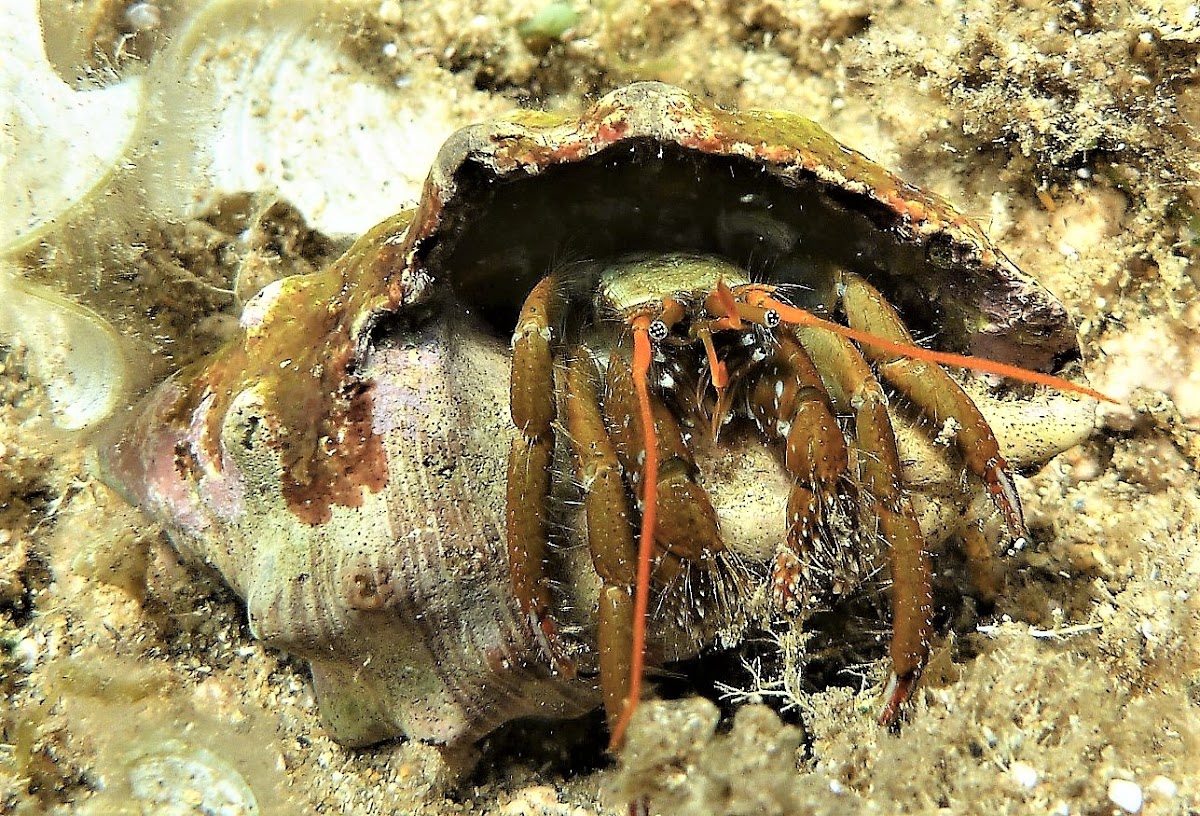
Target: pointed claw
896, 695
550, 645
1003, 490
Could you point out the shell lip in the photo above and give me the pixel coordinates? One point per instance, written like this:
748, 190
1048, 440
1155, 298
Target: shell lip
935, 264
496, 230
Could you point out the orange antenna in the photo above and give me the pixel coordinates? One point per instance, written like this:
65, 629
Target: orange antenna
641, 598
800, 317
718, 372
721, 302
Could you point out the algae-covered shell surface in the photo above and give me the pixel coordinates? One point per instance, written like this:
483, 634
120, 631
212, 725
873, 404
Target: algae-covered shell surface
341, 461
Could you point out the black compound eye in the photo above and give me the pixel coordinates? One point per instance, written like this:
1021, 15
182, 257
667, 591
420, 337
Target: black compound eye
658, 331
771, 319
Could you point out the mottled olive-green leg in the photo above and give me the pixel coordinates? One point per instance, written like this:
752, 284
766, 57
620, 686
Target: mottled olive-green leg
791, 405
883, 493
609, 529
533, 406
687, 529
936, 395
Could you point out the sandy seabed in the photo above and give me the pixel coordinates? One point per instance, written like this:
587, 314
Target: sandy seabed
131, 684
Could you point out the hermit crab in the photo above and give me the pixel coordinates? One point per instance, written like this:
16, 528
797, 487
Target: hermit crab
622, 383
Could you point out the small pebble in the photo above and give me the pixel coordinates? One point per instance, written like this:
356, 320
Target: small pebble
26, 653
143, 16
1024, 775
539, 799
180, 780
391, 12
1163, 787
1125, 794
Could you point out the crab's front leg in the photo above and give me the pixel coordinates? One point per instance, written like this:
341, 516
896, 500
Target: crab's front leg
790, 404
851, 379
935, 393
646, 435
609, 530
687, 528
533, 405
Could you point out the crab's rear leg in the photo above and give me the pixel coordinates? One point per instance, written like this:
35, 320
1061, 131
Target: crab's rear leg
791, 405
533, 405
883, 493
935, 394
609, 531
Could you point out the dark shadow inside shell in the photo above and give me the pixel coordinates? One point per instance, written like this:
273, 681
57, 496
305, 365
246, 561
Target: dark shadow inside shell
501, 232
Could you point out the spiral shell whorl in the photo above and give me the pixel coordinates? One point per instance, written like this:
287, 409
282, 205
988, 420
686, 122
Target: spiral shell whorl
425, 606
